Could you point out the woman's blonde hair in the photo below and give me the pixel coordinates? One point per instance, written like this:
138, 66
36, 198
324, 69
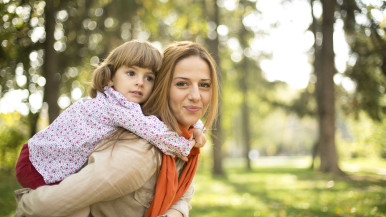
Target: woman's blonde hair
158, 102
131, 53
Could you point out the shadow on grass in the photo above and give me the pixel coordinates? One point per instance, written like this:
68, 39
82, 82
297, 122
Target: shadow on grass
224, 210
276, 208
313, 175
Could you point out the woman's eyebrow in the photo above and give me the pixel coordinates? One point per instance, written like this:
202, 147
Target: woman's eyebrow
204, 79
181, 78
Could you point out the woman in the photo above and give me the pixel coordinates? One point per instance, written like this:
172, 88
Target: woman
121, 178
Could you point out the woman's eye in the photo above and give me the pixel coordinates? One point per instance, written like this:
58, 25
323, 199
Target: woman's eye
181, 84
205, 85
131, 73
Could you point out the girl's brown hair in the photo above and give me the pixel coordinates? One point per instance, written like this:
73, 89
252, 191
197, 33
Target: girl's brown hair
131, 53
158, 102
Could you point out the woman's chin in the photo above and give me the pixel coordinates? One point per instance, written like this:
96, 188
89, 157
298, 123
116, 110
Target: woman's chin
187, 123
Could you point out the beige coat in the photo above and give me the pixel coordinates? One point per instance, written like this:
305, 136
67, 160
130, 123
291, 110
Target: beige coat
118, 181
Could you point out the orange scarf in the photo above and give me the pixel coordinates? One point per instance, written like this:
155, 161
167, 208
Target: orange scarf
169, 188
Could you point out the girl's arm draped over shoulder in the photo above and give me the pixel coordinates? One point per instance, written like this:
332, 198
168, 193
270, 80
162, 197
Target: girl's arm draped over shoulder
128, 115
110, 174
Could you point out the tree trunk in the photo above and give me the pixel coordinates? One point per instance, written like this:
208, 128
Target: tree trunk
326, 95
216, 134
50, 69
243, 79
245, 116
315, 27
32, 121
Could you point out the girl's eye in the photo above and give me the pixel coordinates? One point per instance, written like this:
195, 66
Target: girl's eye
149, 78
131, 73
205, 85
181, 84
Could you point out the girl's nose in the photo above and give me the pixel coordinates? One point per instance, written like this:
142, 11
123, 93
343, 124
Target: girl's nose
139, 82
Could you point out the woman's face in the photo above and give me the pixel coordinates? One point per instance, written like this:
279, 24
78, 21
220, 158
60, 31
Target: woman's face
190, 91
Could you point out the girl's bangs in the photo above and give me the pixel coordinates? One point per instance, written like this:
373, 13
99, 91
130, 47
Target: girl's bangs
143, 57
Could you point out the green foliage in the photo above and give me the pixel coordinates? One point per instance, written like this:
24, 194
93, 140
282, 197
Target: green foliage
367, 67
12, 137
362, 138
15, 31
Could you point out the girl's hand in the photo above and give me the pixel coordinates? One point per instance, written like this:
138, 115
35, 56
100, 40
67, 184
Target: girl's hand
192, 144
198, 140
172, 213
183, 158
199, 137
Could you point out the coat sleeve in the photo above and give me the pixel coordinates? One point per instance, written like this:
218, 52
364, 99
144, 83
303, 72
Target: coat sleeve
128, 115
111, 173
183, 204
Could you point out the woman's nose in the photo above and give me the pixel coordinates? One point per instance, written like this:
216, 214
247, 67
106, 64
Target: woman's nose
194, 93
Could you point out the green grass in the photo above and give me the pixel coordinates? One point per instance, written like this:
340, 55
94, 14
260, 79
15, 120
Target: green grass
285, 188
8, 184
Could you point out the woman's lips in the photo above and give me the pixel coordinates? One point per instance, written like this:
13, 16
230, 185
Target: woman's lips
192, 108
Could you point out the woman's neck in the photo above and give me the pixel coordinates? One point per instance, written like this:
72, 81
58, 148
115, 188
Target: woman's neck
186, 127
186, 132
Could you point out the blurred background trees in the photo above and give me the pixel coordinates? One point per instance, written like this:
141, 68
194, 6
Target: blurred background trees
49, 48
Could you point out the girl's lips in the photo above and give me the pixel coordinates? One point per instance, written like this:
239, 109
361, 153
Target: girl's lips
192, 108
136, 93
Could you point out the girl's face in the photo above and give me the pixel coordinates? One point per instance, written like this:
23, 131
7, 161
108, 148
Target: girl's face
135, 83
190, 91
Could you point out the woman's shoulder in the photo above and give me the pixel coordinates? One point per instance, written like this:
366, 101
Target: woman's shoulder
126, 138
127, 150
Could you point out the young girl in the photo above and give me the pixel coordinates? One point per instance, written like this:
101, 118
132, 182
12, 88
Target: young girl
120, 84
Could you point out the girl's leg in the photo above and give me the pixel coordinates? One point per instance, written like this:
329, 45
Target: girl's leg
26, 174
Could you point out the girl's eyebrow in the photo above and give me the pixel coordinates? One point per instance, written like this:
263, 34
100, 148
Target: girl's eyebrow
149, 72
136, 68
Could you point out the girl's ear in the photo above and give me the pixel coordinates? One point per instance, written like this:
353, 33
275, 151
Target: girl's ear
111, 83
